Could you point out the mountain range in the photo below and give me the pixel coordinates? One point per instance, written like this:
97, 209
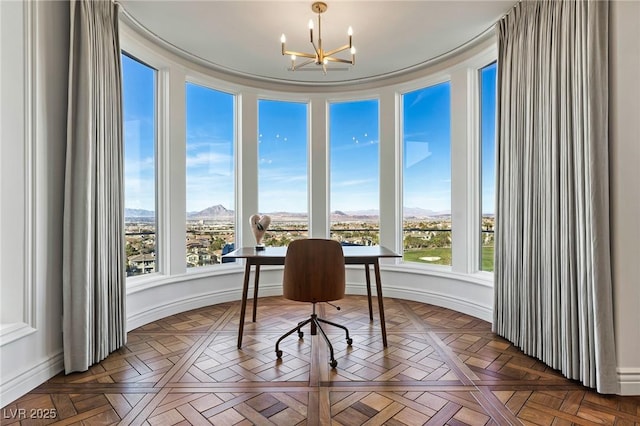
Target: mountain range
221, 212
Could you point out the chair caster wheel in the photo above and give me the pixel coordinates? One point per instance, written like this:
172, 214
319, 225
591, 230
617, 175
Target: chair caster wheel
333, 363
300, 334
279, 354
349, 341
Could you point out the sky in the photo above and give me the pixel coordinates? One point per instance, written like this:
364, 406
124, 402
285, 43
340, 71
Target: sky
282, 156
427, 148
282, 148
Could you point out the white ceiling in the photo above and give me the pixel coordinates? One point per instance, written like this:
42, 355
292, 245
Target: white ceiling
243, 37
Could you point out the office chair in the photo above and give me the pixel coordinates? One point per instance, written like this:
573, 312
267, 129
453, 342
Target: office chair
314, 272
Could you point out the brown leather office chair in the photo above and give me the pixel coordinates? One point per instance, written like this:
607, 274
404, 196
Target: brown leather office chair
314, 272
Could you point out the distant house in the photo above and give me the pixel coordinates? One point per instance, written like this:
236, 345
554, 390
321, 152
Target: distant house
200, 258
142, 263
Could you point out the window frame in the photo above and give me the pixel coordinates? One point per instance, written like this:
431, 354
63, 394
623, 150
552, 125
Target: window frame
418, 84
480, 168
174, 70
159, 250
214, 85
308, 155
348, 98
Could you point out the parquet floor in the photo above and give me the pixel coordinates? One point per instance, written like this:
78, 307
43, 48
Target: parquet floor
440, 368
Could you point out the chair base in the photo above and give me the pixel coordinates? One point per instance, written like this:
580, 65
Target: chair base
315, 325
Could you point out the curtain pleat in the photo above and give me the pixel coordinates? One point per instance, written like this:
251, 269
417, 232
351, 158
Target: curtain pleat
553, 295
94, 317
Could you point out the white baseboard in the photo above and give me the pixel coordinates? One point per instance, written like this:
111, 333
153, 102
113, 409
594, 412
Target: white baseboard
444, 300
25, 382
629, 381
177, 306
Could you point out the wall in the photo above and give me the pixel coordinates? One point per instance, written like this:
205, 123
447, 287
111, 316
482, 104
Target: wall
32, 353
624, 162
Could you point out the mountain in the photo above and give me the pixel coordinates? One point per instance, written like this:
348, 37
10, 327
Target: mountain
139, 213
220, 212
360, 213
213, 212
420, 212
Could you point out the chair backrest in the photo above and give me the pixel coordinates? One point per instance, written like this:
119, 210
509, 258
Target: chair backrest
314, 271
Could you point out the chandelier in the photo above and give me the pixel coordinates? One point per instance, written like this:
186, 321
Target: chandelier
319, 55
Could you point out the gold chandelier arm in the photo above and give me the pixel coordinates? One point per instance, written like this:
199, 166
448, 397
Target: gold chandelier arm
299, 54
310, 61
315, 48
334, 51
344, 61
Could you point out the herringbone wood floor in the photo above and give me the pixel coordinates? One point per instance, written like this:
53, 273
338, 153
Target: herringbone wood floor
440, 368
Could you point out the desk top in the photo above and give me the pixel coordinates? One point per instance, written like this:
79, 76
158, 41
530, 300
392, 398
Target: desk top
350, 253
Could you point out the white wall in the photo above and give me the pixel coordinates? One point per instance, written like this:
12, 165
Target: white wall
33, 353
14, 158
624, 162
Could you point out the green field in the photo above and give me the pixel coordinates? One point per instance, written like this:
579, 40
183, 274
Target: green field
444, 255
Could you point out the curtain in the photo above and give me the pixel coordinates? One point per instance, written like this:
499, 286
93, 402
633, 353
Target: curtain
553, 294
94, 317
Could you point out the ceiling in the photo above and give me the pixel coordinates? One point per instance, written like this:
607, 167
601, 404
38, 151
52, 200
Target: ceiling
243, 37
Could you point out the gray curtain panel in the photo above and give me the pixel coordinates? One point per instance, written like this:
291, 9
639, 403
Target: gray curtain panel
94, 318
553, 295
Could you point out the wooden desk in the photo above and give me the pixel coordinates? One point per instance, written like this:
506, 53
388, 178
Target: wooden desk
353, 255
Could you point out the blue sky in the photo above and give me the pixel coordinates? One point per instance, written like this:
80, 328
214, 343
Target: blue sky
138, 89
488, 134
354, 155
427, 148
282, 148
210, 149
282, 156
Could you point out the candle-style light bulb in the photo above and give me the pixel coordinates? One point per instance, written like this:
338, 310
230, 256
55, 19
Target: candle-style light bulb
353, 55
283, 39
311, 30
350, 32
310, 24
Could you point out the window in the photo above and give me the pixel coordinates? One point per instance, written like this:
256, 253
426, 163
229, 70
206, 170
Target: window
487, 164
354, 169
282, 169
139, 109
210, 180
426, 143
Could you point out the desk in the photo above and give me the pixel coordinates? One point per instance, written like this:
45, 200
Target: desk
353, 255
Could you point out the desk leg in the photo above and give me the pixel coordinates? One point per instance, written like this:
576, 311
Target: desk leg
243, 309
368, 278
255, 291
383, 326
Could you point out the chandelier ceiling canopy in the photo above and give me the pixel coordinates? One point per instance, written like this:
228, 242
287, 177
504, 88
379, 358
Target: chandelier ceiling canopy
320, 56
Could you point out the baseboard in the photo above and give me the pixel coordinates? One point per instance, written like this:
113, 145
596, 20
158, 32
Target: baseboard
173, 307
457, 304
184, 304
629, 380
30, 379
